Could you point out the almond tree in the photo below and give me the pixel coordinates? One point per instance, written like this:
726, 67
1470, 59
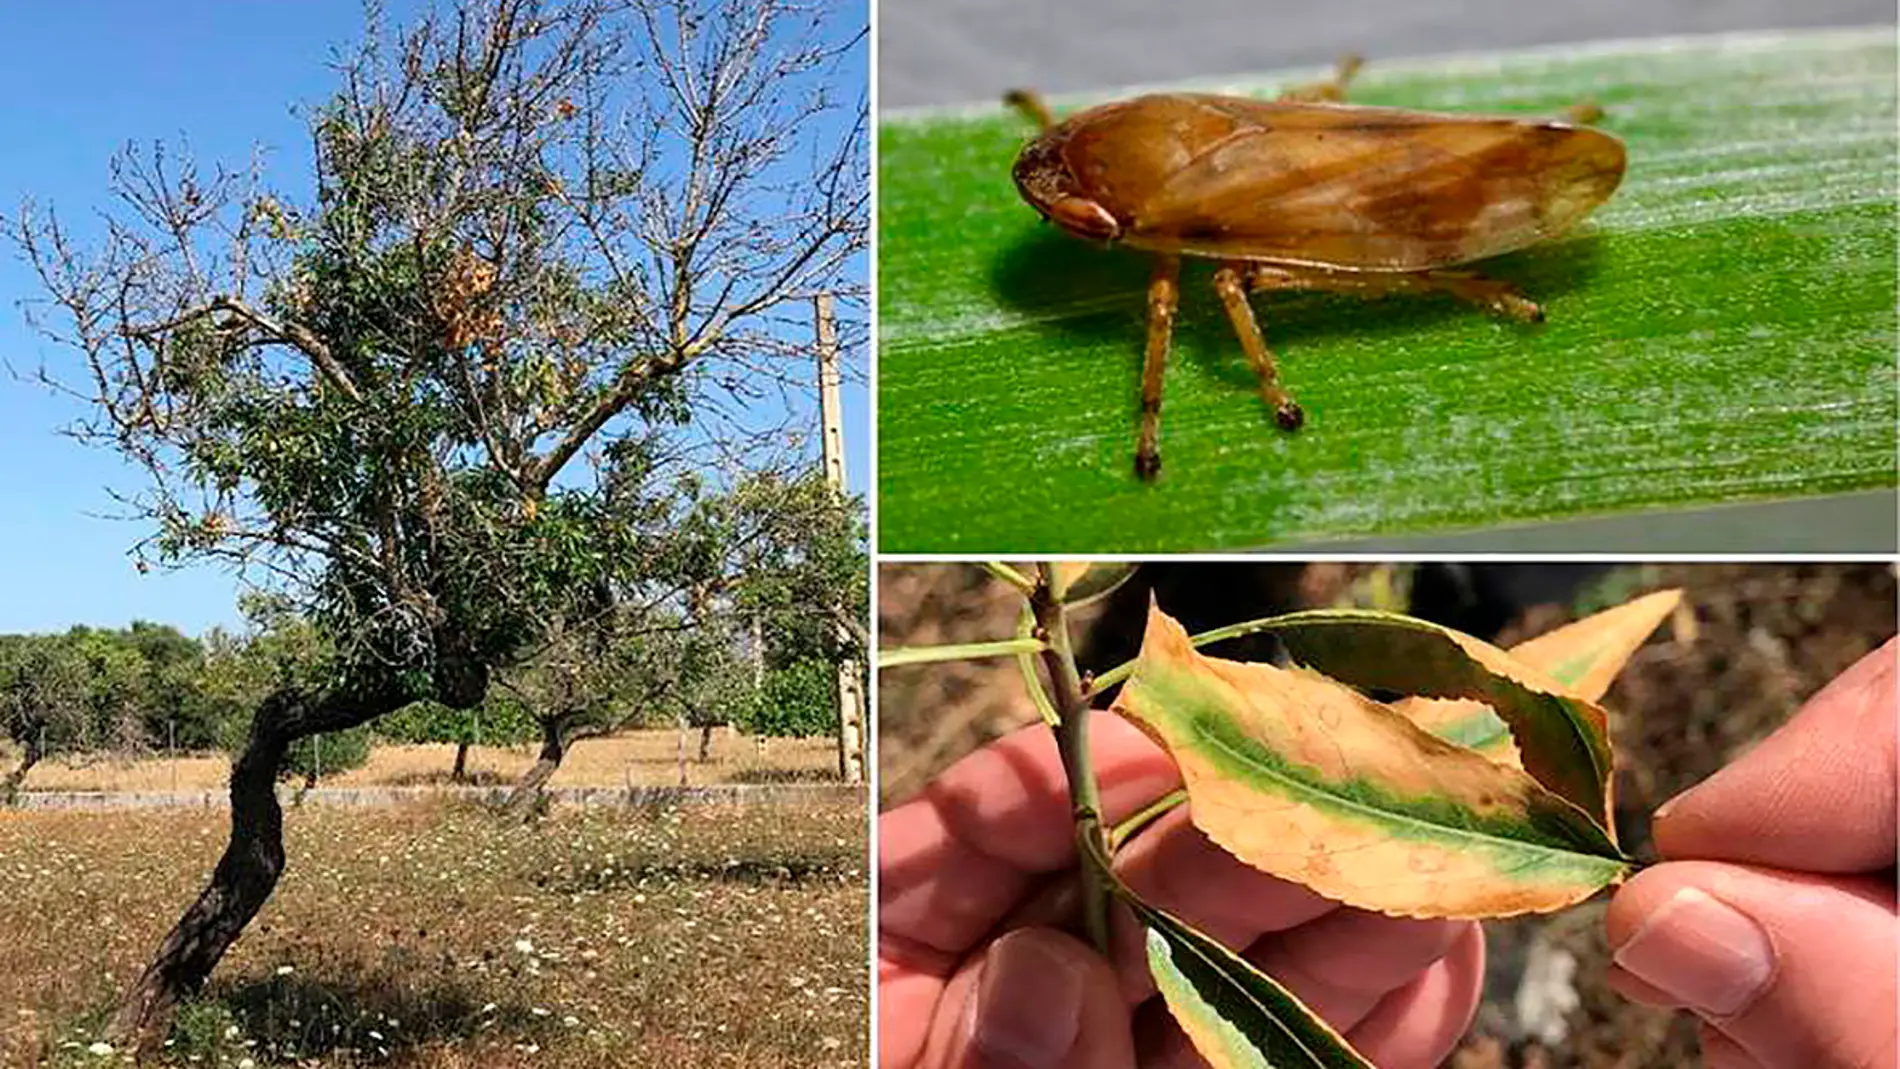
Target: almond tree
549, 258
667, 640
43, 702
605, 676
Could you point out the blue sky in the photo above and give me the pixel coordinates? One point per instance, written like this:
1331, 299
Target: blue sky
77, 81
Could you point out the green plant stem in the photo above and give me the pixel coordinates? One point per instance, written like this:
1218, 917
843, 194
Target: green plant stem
1153, 811
1011, 576
962, 651
1026, 663
1072, 741
1206, 638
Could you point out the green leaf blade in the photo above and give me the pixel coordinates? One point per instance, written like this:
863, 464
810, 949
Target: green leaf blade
1236, 1016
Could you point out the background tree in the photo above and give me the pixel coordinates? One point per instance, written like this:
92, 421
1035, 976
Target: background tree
718, 694
780, 563
549, 245
501, 720
797, 700
797, 570
787, 552
115, 689
89, 691
602, 675
170, 664
43, 701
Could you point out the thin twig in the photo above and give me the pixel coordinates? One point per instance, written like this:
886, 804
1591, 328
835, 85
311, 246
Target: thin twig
1072, 740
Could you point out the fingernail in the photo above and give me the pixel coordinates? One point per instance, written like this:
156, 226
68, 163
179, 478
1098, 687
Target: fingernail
1663, 810
1028, 1003
1702, 952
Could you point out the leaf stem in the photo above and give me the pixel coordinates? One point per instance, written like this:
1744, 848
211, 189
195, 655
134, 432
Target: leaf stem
1206, 638
1153, 811
1011, 576
1026, 663
1072, 740
962, 651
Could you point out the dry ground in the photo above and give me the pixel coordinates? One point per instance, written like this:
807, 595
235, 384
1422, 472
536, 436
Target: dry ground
642, 758
435, 935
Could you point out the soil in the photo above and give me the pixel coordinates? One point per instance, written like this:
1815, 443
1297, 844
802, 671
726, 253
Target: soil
1754, 641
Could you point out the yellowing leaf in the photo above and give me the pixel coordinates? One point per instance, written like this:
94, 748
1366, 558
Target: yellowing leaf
1563, 740
1078, 582
1582, 657
1467, 723
1309, 780
1585, 656
1236, 1016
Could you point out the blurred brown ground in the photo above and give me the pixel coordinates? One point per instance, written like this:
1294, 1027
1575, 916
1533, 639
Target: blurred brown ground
1754, 641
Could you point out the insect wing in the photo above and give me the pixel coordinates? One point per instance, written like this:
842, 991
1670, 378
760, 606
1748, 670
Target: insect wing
1375, 188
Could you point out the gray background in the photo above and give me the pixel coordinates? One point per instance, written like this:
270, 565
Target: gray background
962, 51
934, 52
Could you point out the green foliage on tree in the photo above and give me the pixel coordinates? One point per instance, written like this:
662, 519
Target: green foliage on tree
327, 754
799, 700
43, 706
789, 554
501, 720
87, 689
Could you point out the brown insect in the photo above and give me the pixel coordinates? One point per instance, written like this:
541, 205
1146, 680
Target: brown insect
1304, 193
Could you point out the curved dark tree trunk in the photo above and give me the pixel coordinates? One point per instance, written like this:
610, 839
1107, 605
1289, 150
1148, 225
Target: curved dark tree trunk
459, 774
705, 742
680, 750
244, 879
553, 749
10, 790
252, 862
559, 733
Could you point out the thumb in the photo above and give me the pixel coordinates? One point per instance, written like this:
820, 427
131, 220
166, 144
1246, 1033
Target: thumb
1796, 970
1039, 999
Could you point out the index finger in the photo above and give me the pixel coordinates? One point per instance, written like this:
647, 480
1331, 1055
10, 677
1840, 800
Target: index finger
953, 862
1816, 796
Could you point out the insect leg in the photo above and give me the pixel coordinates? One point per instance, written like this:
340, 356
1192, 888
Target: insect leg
1582, 113
1164, 296
1233, 294
1332, 89
1499, 298
1033, 107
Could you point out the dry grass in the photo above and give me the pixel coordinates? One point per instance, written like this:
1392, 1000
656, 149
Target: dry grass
438, 936
644, 758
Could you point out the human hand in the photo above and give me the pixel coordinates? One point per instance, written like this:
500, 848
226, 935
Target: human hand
1780, 933
977, 882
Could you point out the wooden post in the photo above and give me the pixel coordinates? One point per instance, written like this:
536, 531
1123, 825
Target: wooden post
758, 679
831, 438
680, 722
